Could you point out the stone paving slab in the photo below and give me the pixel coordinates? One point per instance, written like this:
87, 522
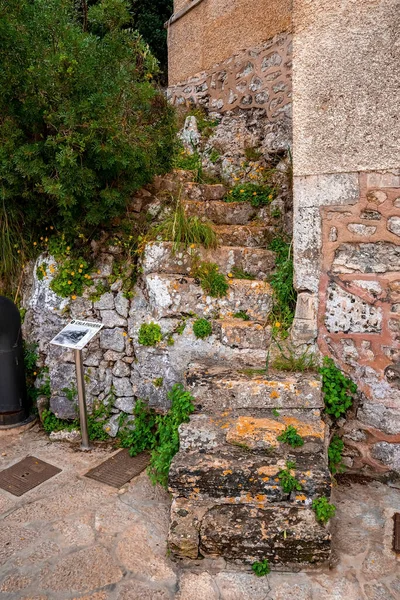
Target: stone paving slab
72, 538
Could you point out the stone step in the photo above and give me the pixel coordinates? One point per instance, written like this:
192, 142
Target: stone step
227, 213
218, 388
170, 296
237, 333
252, 235
169, 181
288, 536
159, 257
237, 459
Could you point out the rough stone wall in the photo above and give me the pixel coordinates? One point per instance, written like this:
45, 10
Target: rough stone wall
257, 77
346, 208
215, 30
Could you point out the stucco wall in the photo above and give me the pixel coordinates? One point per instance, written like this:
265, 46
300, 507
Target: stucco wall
216, 29
346, 81
346, 152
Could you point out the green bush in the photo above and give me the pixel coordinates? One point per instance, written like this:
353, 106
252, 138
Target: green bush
335, 452
211, 280
288, 481
256, 194
261, 568
82, 127
202, 328
291, 437
285, 296
183, 231
323, 509
242, 314
149, 334
338, 389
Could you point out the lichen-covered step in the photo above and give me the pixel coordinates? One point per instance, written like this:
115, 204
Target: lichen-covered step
252, 235
180, 184
288, 536
217, 388
227, 213
160, 257
238, 459
170, 295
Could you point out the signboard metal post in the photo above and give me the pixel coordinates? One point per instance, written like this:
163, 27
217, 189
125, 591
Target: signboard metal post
76, 335
82, 400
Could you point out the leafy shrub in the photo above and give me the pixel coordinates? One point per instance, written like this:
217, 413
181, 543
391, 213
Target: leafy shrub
238, 273
285, 296
261, 568
82, 125
52, 423
288, 360
202, 328
149, 334
211, 280
323, 509
288, 481
142, 436
256, 194
338, 389
291, 436
166, 443
184, 231
335, 452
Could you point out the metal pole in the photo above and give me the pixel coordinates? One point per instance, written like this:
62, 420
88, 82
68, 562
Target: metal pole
81, 400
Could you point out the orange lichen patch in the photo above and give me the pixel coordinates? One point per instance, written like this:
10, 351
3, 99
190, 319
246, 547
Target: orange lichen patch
316, 429
268, 470
274, 394
301, 498
248, 431
227, 472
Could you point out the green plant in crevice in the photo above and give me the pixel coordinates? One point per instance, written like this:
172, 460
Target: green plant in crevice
184, 231
288, 482
158, 381
202, 328
52, 423
211, 280
289, 360
70, 392
338, 389
142, 436
335, 451
166, 443
252, 153
150, 334
261, 568
37, 379
242, 314
239, 273
256, 194
214, 156
284, 294
291, 437
323, 509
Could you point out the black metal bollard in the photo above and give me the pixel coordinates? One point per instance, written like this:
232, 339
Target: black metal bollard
14, 403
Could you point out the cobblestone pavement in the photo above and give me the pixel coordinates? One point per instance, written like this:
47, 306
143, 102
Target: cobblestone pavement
73, 537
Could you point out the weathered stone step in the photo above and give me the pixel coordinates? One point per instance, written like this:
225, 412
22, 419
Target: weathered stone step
227, 213
159, 257
237, 333
171, 296
252, 235
287, 536
180, 183
169, 181
219, 388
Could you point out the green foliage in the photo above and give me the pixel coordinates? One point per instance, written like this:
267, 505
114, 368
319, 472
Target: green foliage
99, 290
184, 231
256, 194
149, 334
338, 389
72, 276
323, 509
238, 273
288, 481
252, 154
142, 436
285, 296
205, 124
37, 379
82, 127
211, 280
158, 381
261, 568
214, 156
70, 392
52, 423
202, 328
242, 314
188, 161
167, 436
291, 436
335, 452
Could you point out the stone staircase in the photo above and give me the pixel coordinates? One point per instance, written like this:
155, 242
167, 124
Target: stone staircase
227, 497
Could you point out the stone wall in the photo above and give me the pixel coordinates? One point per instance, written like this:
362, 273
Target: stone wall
346, 209
214, 30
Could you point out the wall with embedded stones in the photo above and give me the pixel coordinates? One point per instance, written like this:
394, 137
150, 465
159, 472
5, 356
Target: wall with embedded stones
346, 155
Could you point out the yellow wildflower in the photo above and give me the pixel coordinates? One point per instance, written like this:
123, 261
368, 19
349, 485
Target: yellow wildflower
277, 324
34, 372
254, 193
230, 275
124, 334
34, 243
242, 191
79, 270
69, 282
73, 297
68, 248
81, 266
72, 273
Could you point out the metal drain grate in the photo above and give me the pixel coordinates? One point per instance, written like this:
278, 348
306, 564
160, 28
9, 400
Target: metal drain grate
26, 475
120, 468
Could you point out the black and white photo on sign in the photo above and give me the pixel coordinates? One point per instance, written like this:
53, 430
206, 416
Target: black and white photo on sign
76, 334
